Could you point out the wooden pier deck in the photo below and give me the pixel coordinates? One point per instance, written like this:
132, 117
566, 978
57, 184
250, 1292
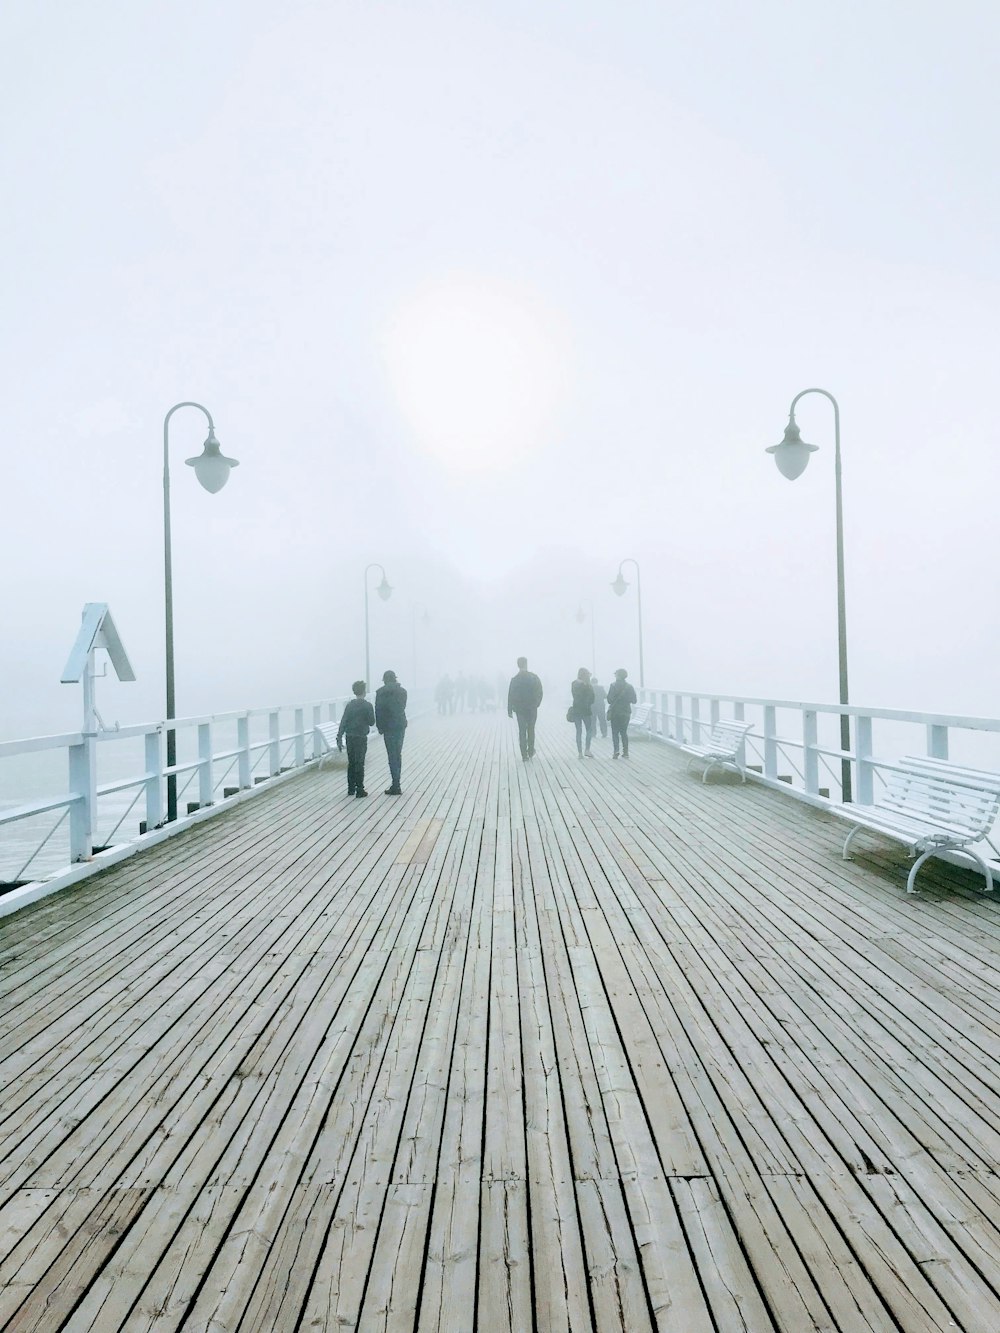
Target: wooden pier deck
547, 1046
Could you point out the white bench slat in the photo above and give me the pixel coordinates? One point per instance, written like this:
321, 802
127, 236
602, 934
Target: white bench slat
930, 806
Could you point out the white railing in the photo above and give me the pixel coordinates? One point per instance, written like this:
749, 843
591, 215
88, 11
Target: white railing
217, 757
795, 747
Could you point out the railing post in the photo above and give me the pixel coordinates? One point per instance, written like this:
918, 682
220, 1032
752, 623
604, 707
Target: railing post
739, 711
154, 779
300, 737
770, 742
83, 785
866, 769
714, 711
333, 711
317, 720
679, 733
243, 743
664, 714
695, 720
206, 794
937, 741
274, 749
810, 753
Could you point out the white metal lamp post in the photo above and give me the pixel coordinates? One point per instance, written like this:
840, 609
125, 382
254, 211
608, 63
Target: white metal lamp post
581, 616
619, 585
792, 456
384, 590
212, 469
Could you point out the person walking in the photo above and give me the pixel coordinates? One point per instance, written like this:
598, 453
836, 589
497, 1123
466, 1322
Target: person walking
356, 720
390, 719
621, 697
523, 697
582, 711
600, 706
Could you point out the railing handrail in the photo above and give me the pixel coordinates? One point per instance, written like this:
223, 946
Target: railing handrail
849, 710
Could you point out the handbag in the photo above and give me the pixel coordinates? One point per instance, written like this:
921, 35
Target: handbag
570, 714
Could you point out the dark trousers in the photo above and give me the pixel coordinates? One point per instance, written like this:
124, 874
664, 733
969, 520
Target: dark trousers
357, 748
526, 729
619, 735
581, 723
600, 720
394, 754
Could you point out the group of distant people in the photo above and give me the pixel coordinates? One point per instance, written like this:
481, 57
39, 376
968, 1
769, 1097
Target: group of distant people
474, 693
591, 706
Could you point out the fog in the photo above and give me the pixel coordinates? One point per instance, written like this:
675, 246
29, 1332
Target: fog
497, 295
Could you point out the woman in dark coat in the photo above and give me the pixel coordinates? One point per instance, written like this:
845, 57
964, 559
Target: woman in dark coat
621, 697
582, 711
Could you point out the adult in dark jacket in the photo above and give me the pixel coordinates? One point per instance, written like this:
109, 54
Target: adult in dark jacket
523, 697
390, 719
621, 697
582, 711
600, 706
355, 721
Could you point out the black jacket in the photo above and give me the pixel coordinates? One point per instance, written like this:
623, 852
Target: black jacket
357, 717
525, 692
621, 697
390, 708
583, 699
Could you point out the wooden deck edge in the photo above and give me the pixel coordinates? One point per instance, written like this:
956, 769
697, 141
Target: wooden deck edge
73, 874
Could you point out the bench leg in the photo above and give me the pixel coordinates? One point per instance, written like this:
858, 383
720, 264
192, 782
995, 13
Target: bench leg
850, 838
987, 872
914, 868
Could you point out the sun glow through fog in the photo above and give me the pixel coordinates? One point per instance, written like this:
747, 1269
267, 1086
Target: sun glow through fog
479, 373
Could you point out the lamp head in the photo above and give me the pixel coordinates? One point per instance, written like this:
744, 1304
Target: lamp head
581, 615
212, 467
384, 589
792, 454
619, 585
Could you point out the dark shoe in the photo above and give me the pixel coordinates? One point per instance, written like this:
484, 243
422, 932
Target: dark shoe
531, 754
588, 755
359, 794
525, 757
393, 791
350, 791
615, 755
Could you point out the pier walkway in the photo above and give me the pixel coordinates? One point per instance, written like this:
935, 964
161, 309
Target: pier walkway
536, 1047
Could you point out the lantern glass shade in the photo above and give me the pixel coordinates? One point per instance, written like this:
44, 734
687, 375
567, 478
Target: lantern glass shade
619, 585
792, 454
384, 589
212, 467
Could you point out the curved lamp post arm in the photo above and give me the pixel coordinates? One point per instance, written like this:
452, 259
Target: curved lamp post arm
168, 603
845, 723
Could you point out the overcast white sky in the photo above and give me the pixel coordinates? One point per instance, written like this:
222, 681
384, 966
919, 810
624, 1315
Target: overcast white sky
497, 294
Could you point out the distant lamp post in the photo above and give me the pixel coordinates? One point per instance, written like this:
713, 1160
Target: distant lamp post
212, 468
792, 456
384, 590
619, 586
424, 620
583, 610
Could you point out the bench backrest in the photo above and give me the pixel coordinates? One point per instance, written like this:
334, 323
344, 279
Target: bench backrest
327, 733
963, 800
641, 714
729, 735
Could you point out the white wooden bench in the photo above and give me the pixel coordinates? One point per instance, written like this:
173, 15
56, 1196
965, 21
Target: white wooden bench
641, 720
326, 740
724, 748
930, 806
